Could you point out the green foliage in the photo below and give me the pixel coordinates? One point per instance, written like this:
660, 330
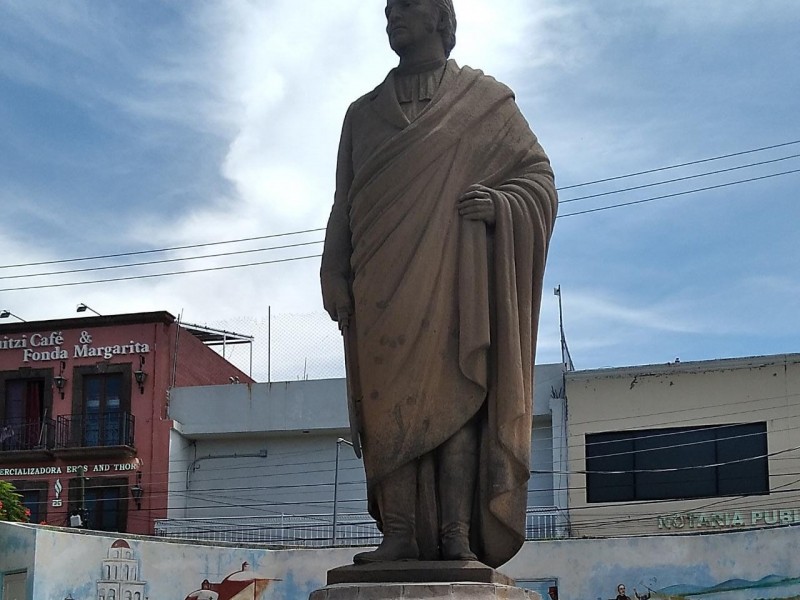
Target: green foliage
11, 508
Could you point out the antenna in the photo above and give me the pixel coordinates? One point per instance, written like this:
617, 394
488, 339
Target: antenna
566, 358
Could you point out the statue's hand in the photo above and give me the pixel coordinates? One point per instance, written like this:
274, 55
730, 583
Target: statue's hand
477, 204
336, 298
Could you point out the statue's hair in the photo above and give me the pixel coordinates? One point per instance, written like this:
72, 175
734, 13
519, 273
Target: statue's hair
448, 12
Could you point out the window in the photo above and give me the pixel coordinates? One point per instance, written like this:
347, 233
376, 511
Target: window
34, 498
101, 398
23, 411
106, 503
102, 415
677, 463
14, 585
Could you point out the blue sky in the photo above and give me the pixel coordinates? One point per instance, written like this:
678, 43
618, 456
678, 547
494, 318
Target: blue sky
130, 126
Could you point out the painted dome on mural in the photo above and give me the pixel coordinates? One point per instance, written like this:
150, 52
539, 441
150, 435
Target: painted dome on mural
120, 544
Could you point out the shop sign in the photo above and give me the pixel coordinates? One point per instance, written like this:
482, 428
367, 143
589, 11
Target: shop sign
41, 347
71, 469
739, 518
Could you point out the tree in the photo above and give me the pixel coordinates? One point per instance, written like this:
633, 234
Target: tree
11, 507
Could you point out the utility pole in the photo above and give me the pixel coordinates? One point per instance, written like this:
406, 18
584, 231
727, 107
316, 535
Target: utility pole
336, 488
566, 359
81, 520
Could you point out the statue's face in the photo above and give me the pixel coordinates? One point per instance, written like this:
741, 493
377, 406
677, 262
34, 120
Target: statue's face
410, 23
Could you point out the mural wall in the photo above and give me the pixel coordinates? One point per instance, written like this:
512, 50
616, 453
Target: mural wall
745, 565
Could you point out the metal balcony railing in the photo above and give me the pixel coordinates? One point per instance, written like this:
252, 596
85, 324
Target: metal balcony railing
316, 531
19, 435
95, 430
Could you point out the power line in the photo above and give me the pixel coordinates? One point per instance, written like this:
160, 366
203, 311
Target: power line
152, 275
676, 194
677, 166
296, 245
260, 263
159, 250
315, 230
162, 261
677, 179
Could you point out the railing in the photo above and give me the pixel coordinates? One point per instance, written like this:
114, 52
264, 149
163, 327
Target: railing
20, 434
95, 430
316, 531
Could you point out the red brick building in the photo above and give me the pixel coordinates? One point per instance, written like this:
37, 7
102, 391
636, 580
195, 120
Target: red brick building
84, 412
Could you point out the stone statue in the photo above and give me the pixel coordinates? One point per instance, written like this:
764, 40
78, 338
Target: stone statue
434, 256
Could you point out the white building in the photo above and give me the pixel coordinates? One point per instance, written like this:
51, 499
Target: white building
269, 462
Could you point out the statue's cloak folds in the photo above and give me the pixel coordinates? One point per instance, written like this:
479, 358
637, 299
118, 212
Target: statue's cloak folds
446, 308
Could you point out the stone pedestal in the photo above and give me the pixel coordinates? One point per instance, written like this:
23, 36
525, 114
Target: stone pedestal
423, 591
420, 580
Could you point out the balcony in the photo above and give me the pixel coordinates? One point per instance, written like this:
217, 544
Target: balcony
85, 434
22, 439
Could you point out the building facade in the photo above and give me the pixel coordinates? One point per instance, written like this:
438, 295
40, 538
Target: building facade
84, 414
685, 447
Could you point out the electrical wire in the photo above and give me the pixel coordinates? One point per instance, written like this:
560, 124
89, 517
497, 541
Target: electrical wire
667, 181
675, 195
152, 275
162, 261
125, 254
261, 263
677, 166
160, 250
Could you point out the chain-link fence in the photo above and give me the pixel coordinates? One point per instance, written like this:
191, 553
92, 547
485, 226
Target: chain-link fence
286, 346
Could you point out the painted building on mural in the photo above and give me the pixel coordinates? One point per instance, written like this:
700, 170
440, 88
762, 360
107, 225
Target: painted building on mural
268, 462
84, 412
685, 446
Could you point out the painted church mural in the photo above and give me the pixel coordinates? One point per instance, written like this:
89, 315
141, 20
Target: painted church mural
56, 564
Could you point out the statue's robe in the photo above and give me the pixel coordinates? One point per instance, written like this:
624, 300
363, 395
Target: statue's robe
446, 309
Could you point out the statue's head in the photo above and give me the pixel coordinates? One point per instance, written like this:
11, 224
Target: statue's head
410, 22
447, 23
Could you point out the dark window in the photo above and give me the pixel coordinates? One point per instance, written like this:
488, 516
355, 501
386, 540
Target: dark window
23, 411
34, 498
105, 500
101, 404
677, 463
102, 409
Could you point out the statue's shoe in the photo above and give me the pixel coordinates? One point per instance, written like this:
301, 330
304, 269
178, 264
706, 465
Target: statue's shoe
457, 548
390, 549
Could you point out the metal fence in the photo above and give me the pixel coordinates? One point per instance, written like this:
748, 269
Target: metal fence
317, 531
286, 346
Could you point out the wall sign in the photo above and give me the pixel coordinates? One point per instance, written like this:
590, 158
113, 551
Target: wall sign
71, 469
739, 518
41, 347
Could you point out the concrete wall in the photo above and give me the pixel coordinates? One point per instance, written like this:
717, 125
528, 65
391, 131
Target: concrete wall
688, 394
749, 565
17, 556
268, 408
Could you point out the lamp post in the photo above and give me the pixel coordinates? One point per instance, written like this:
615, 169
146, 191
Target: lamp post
339, 442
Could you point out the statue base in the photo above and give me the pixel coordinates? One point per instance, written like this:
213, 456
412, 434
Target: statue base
419, 571
423, 591
420, 580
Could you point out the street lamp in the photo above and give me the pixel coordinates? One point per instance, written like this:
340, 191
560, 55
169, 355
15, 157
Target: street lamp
84, 307
5, 313
339, 442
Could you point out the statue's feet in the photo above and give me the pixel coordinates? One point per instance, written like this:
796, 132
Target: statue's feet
390, 549
456, 548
